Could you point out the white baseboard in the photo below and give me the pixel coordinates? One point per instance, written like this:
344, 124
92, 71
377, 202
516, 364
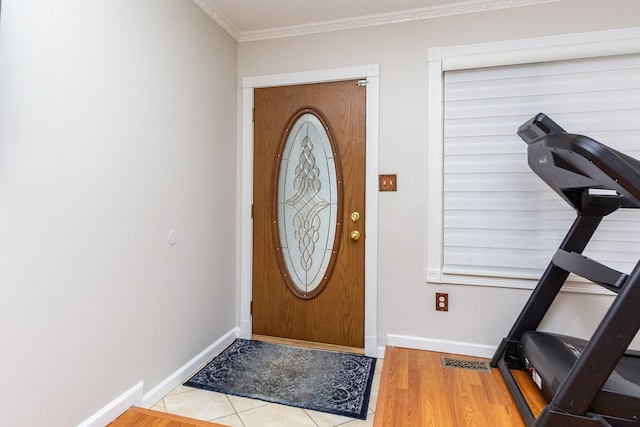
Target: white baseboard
178, 377
113, 410
443, 346
135, 397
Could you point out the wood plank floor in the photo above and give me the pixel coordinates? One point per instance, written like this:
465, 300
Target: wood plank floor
416, 390
140, 417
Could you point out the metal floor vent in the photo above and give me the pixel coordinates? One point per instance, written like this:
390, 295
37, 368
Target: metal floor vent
475, 365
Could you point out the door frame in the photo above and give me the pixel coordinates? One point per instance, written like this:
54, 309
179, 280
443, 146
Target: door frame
370, 73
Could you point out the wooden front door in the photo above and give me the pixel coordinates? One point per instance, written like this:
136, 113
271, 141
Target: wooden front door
308, 213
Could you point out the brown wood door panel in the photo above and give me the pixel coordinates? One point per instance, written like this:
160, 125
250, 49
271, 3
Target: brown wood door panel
336, 315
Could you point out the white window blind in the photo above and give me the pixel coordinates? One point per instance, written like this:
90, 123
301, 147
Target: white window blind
499, 219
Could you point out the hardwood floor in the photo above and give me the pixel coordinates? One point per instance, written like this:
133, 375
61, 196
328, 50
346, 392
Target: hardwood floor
416, 390
140, 417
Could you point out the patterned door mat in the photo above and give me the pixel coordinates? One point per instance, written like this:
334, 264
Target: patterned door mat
325, 381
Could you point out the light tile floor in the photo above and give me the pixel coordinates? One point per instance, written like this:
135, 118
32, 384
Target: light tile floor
237, 411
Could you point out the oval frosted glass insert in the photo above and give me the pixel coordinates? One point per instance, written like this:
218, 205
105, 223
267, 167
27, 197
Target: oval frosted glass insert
307, 203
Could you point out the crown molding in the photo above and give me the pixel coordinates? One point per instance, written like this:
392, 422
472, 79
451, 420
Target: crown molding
218, 17
464, 7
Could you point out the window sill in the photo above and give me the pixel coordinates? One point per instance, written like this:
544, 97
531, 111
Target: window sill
573, 285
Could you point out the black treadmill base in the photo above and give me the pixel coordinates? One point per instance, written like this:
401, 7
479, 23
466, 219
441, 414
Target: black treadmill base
550, 357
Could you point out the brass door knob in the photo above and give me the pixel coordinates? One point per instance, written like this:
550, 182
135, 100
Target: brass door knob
355, 235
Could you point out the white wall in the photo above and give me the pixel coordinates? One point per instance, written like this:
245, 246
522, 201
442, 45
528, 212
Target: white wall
117, 125
477, 315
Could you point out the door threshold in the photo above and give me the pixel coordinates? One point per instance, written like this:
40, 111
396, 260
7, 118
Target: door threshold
308, 344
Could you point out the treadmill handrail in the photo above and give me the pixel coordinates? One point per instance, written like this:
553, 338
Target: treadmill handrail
590, 269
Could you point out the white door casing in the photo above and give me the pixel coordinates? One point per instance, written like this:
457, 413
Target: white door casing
370, 73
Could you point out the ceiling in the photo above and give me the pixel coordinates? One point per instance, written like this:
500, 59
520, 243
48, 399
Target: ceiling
248, 20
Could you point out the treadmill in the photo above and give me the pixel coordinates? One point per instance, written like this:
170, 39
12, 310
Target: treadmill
587, 383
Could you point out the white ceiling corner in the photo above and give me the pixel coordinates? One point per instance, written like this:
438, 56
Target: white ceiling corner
250, 20
219, 18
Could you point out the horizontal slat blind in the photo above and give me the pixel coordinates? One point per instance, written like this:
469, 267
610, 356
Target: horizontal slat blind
500, 219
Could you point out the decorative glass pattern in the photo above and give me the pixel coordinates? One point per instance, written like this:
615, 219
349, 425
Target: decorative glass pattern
307, 203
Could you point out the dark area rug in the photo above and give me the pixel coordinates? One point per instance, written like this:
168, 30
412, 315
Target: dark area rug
325, 381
